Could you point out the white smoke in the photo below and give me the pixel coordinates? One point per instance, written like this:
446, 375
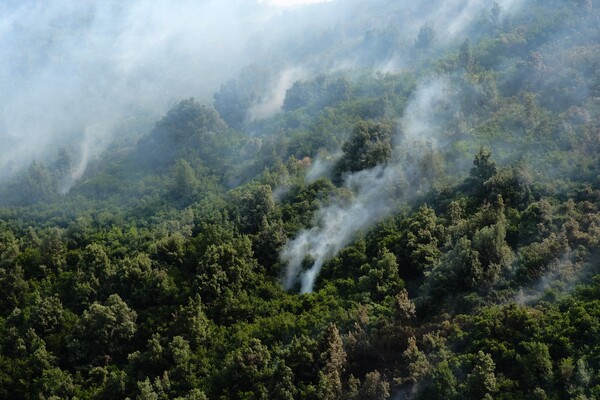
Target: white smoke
322, 165
72, 70
450, 19
291, 3
71, 67
376, 192
271, 105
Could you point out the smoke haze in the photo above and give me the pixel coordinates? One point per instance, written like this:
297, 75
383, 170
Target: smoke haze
76, 73
421, 132
376, 190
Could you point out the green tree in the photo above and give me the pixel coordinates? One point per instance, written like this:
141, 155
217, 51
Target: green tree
54, 248
252, 203
104, 330
146, 391
481, 382
333, 363
55, 383
47, 315
465, 56
535, 222
62, 169
381, 278
37, 184
418, 365
493, 252
192, 323
95, 262
458, 271
536, 365
12, 276
444, 382
268, 242
483, 169
374, 387
247, 371
235, 97
170, 249
368, 146
420, 242
189, 131
333, 356
185, 183
225, 267
535, 258
513, 184
283, 383
113, 385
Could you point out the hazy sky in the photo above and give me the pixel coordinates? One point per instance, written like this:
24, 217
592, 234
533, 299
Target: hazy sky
290, 3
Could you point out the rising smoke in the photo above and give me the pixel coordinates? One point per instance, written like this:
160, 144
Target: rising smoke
376, 190
273, 101
336, 225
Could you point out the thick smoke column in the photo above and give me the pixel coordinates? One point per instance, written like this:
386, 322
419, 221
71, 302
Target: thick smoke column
375, 194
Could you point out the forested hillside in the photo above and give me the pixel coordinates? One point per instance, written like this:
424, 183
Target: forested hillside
402, 204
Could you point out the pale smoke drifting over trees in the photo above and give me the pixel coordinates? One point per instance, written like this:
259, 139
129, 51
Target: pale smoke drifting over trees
376, 190
374, 198
430, 170
77, 73
275, 97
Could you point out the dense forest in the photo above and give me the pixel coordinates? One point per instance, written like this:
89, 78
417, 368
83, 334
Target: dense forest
418, 217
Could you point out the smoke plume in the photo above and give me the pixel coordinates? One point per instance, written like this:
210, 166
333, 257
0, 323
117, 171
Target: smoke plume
376, 191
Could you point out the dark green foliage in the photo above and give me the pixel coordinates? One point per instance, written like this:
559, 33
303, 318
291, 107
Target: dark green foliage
536, 365
481, 382
316, 93
104, 330
381, 278
420, 243
535, 258
234, 98
484, 168
254, 204
225, 269
444, 384
185, 183
369, 145
47, 316
460, 270
157, 275
188, 131
374, 387
36, 184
